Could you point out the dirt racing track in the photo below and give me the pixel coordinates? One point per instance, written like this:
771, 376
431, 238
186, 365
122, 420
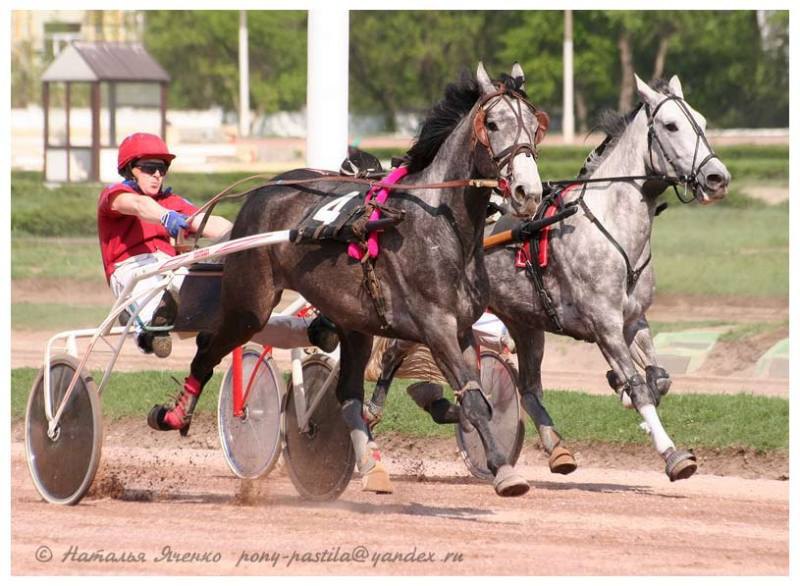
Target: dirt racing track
165, 506
162, 504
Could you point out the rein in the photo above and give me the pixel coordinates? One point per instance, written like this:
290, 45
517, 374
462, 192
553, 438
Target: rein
480, 135
326, 176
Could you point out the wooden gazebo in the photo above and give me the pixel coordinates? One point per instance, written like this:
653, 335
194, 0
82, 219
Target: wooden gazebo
117, 74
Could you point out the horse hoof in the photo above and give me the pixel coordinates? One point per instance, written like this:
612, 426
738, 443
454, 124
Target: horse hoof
561, 461
508, 483
377, 480
680, 465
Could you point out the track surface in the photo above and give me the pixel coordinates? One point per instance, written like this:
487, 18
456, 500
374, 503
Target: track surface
157, 498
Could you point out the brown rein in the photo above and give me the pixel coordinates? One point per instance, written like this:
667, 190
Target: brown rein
224, 194
329, 176
479, 135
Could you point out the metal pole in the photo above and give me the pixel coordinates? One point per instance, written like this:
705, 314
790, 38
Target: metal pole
244, 77
328, 53
163, 107
95, 176
568, 123
67, 108
112, 114
46, 108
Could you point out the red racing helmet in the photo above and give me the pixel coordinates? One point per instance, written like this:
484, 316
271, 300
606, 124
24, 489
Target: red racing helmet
142, 145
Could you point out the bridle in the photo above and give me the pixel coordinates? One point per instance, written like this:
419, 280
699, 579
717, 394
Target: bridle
689, 180
505, 158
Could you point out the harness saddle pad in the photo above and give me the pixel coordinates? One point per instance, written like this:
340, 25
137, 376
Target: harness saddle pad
332, 217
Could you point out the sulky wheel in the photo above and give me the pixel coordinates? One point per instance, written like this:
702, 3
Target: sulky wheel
63, 464
320, 461
499, 383
251, 442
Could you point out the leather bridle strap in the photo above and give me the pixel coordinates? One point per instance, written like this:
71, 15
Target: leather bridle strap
652, 137
505, 158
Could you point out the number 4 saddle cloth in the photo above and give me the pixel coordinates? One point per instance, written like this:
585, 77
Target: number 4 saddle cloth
344, 213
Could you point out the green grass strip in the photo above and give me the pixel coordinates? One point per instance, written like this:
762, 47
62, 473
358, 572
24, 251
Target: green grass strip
56, 316
742, 420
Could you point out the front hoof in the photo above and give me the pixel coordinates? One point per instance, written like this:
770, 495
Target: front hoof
508, 483
680, 465
377, 480
561, 461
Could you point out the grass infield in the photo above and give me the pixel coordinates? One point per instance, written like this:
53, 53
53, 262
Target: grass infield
746, 421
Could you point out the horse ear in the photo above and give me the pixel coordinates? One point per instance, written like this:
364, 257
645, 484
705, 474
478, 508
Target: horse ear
518, 75
646, 93
544, 123
484, 81
675, 86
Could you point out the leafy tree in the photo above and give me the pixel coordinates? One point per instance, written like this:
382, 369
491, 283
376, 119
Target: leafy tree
402, 60
200, 48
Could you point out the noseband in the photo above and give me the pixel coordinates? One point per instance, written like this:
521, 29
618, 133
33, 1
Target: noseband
505, 158
689, 180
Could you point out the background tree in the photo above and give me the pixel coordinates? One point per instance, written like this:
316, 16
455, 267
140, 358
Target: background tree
401, 60
199, 49
733, 64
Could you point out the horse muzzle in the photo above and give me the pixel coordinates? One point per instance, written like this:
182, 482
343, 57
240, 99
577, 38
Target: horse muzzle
712, 186
523, 201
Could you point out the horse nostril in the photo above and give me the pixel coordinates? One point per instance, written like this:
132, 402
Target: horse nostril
715, 180
519, 191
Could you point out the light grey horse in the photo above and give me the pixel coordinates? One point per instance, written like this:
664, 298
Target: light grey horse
430, 270
599, 280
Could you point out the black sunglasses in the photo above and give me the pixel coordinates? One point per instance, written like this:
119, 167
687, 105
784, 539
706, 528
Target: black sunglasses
151, 168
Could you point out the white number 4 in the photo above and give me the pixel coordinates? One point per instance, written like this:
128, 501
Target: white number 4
330, 211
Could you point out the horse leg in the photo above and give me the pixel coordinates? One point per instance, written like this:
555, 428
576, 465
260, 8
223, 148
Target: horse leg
680, 464
392, 359
457, 358
530, 351
355, 351
429, 396
239, 324
640, 342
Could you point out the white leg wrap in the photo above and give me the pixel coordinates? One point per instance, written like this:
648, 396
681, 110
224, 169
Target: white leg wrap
660, 438
364, 458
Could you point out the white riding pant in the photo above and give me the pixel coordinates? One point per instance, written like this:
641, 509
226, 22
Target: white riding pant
491, 333
125, 272
280, 331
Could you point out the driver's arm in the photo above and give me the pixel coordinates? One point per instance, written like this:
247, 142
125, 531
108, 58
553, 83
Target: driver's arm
216, 228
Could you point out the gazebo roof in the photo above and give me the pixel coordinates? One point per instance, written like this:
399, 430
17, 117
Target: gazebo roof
103, 61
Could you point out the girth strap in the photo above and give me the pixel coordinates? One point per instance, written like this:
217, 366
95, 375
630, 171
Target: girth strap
535, 274
632, 275
373, 286
534, 271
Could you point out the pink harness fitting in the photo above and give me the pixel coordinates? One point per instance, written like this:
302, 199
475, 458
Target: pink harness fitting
356, 250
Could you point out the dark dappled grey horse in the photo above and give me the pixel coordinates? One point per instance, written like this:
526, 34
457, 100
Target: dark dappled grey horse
431, 268
599, 279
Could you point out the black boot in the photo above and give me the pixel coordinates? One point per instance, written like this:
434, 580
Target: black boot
164, 315
322, 334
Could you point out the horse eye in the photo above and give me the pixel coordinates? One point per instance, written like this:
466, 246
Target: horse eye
491, 126
672, 127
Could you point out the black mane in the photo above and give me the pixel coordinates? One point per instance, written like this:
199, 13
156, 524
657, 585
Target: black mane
441, 120
614, 125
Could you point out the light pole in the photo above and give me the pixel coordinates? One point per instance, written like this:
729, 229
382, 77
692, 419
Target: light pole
328, 54
244, 77
568, 120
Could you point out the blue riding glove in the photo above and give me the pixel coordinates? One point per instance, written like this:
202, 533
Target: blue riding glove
174, 222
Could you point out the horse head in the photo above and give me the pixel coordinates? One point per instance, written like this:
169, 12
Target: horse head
677, 142
509, 128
